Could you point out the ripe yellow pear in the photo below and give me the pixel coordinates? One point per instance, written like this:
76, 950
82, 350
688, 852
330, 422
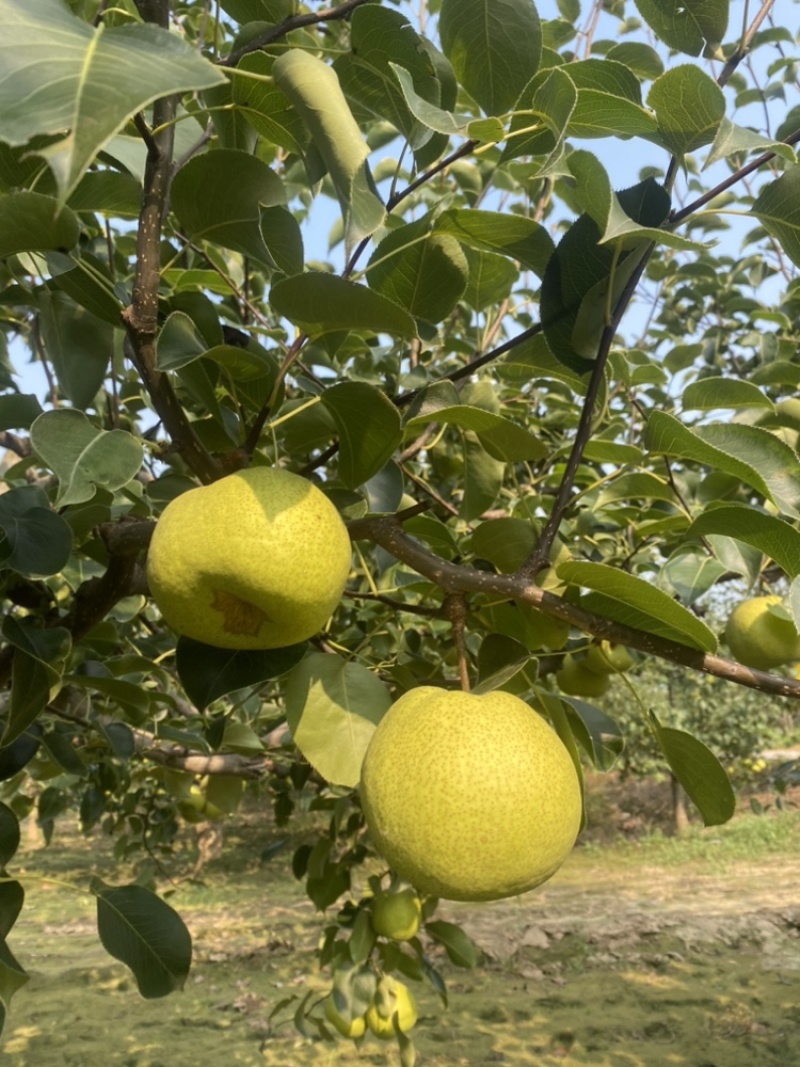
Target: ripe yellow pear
758, 638
396, 915
469, 797
392, 999
578, 680
355, 1027
258, 559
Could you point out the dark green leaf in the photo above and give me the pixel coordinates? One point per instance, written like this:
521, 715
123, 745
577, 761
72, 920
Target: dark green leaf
687, 25
37, 541
770, 535
145, 933
368, 425
689, 107
461, 950
502, 439
79, 345
30, 222
207, 673
323, 303
699, 772
9, 837
12, 978
18, 410
778, 208
12, 897
494, 46
514, 236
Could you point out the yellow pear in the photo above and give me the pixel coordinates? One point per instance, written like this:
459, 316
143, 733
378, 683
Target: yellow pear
393, 999
355, 1027
759, 638
396, 915
469, 797
258, 559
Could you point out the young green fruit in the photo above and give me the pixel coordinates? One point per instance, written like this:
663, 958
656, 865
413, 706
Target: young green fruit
258, 559
392, 999
758, 638
354, 1028
396, 915
469, 797
576, 679
608, 658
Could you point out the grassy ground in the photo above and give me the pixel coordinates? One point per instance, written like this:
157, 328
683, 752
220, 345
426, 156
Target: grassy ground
653, 953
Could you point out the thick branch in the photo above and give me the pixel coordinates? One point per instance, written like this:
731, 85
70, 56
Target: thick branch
141, 316
453, 578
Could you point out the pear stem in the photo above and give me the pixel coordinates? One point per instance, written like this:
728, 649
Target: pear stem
456, 607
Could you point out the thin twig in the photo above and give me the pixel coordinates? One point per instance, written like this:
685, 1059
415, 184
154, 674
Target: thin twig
295, 22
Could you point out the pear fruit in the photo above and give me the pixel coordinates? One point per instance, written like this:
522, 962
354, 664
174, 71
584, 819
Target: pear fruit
392, 999
258, 559
355, 1027
760, 638
576, 678
608, 658
467, 796
396, 915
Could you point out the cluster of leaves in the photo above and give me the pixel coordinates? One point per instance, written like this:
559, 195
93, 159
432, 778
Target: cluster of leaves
457, 356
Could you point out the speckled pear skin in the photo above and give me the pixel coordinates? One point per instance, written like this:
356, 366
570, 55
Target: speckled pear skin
469, 797
258, 559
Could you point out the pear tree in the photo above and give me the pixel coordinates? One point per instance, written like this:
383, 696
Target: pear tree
509, 289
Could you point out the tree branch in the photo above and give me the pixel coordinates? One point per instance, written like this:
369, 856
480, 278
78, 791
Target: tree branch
295, 22
387, 532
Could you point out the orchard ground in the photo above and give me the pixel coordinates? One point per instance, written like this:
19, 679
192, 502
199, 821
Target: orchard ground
646, 951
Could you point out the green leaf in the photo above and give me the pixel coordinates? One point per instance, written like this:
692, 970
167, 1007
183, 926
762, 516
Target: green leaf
266, 108
79, 346
691, 573
609, 101
218, 197
12, 978
208, 673
179, 342
778, 208
324, 303
108, 193
281, 233
37, 541
581, 269
483, 478
62, 74
36, 672
514, 236
90, 285
461, 949
491, 278
368, 425
18, 410
599, 735
146, 934
12, 897
30, 222
424, 272
314, 90
442, 121
699, 772
710, 394
541, 116
500, 659
494, 47
739, 140
502, 439
643, 60
379, 36
689, 107
770, 535
629, 598
754, 456
82, 457
688, 26
332, 708
9, 836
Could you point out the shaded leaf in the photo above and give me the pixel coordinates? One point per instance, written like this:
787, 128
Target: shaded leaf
368, 426
461, 950
778, 208
494, 47
207, 673
79, 345
514, 236
503, 440
711, 394
687, 25
30, 222
12, 978
324, 303
689, 107
37, 541
699, 772
37, 668
146, 934
9, 837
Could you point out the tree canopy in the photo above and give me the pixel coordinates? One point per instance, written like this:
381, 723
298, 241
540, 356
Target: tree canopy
384, 248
